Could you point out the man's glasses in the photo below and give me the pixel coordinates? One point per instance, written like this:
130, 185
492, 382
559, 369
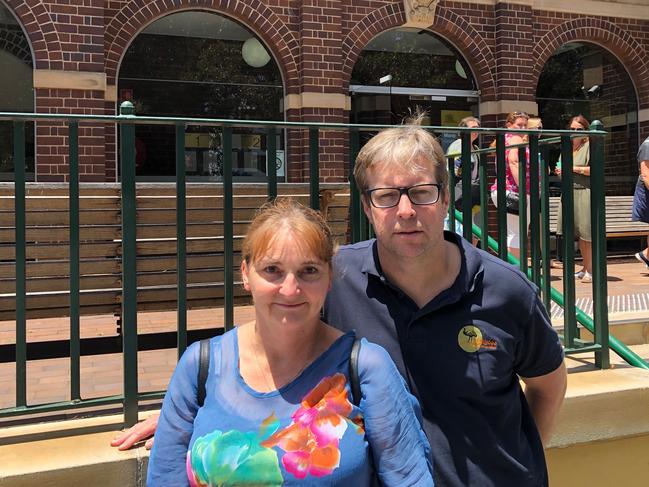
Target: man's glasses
419, 194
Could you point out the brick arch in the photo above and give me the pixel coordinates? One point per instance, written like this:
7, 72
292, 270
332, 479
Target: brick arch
134, 16
42, 33
606, 34
447, 24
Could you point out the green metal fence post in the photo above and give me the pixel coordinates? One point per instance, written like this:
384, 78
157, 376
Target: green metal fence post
181, 234
129, 263
567, 209
500, 188
522, 210
356, 209
21, 259
314, 171
451, 187
271, 162
228, 230
484, 200
598, 225
466, 184
545, 229
535, 207
73, 201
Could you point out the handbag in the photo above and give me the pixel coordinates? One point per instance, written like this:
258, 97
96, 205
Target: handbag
512, 202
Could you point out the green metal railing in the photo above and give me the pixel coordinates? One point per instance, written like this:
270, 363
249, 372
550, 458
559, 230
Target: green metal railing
538, 246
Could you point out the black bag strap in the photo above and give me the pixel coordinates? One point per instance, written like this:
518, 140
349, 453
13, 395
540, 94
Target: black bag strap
354, 381
203, 369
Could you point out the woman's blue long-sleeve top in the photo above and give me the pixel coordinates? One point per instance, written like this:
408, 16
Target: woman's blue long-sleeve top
306, 433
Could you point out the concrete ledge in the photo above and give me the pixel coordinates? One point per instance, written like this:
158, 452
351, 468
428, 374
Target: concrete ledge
603, 405
603, 427
71, 461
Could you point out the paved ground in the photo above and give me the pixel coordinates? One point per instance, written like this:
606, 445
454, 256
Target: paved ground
48, 380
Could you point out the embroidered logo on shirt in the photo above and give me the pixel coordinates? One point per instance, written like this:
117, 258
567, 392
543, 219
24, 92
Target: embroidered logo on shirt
471, 339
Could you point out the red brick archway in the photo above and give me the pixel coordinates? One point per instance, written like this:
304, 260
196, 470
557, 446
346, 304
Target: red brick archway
447, 24
618, 42
134, 16
42, 33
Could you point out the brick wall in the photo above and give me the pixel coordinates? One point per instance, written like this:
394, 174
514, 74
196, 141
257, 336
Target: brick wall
315, 43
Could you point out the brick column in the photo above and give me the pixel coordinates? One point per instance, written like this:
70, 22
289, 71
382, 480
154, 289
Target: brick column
322, 98
514, 43
78, 88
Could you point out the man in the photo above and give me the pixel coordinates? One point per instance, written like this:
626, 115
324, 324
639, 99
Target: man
461, 325
641, 197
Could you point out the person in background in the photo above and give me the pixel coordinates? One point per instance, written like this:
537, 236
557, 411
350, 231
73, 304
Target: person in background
278, 408
514, 120
455, 150
640, 212
581, 186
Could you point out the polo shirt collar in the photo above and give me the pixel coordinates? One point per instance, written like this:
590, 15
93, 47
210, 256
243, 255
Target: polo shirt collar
471, 268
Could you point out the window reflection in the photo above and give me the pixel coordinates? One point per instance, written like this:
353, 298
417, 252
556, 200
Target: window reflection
16, 92
199, 64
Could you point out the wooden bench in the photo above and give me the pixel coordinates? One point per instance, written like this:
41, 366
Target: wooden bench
618, 218
47, 249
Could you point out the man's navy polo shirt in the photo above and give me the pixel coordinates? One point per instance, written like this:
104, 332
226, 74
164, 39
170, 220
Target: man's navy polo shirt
464, 351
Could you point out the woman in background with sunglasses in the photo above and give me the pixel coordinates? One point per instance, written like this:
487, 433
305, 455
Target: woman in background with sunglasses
581, 186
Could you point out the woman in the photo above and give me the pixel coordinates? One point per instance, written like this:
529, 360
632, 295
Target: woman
277, 409
515, 120
581, 185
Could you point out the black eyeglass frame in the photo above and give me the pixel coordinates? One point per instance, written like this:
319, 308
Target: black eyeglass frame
404, 190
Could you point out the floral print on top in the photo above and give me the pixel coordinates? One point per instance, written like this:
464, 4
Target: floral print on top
306, 433
310, 443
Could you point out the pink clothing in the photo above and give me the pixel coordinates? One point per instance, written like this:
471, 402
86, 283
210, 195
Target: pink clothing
510, 183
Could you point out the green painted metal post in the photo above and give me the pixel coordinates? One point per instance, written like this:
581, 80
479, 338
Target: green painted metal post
484, 199
181, 236
567, 208
535, 208
228, 230
451, 187
129, 263
314, 171
21, 259
356, 207
73, 201
522, 211
271, 162
500, 188
466, 183
598, 225
545, 229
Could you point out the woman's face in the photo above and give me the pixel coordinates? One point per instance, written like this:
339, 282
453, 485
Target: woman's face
288, 283
575, 125
518, 123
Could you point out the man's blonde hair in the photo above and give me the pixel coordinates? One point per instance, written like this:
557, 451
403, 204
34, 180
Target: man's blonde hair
407, 147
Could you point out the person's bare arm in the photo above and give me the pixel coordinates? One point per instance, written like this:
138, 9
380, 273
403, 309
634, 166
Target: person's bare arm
644, 173
512, 157
545, 395
143, 430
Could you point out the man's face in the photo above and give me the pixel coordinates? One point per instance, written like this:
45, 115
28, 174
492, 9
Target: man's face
406, 230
